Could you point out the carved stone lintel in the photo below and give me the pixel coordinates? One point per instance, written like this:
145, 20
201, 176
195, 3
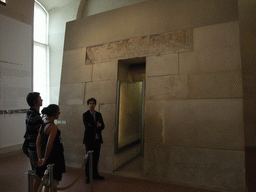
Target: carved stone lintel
172, 42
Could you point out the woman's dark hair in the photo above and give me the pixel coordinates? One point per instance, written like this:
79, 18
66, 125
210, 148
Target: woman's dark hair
91, 99
32, 98
51, 110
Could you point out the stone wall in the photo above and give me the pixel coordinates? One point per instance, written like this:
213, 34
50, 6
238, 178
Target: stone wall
194, 131
193, 109
194, 113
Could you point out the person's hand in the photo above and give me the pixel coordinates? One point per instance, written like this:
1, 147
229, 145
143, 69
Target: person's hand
98, 124
41, 162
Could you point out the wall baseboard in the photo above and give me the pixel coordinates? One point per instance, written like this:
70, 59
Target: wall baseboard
11, 150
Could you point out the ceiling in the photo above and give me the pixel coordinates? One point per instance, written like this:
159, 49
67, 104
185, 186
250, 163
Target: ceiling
54, 4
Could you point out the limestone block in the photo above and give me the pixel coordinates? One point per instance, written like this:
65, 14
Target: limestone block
209, 168
74, 152
73, 117
218, 123
171, 42
103, 91
126, 156
107, 149
108, 112
152, 17
154, 123
74, 69
72, 94
72, 133
106, 160
105, 71
216, 169
167, 87
177, 124
162, 65
220, 35
195, 123
250, 133
210, 59
216, 85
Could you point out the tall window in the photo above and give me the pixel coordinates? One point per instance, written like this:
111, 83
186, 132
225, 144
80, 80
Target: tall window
41, 50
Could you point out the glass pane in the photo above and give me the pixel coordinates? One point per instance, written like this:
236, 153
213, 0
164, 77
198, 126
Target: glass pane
40, 71
40, 24
130, 113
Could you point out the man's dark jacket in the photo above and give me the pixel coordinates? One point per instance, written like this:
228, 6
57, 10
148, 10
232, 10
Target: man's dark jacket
91, 127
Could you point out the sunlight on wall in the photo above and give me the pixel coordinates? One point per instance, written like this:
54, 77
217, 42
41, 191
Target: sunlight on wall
41, 49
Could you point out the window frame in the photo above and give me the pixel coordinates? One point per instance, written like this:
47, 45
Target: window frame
44, 91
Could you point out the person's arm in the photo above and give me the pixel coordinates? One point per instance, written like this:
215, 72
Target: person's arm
52, 132
38, 148
86, 121
36, 120
100, 122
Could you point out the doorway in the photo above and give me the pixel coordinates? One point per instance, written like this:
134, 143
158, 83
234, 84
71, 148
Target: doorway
130, 116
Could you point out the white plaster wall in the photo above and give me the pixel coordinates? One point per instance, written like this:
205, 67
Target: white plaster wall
57, 27
15, 57
12, 130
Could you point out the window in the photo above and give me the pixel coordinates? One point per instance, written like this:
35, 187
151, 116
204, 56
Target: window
41, 50
3, 2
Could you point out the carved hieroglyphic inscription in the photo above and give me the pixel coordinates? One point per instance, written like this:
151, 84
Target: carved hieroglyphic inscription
172, 42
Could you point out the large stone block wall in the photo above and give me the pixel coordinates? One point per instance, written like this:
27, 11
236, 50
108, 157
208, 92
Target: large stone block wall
80, 81
194, 130
193, 111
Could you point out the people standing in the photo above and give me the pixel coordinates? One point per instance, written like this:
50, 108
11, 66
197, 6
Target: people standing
33, 123
49, 147
93, 124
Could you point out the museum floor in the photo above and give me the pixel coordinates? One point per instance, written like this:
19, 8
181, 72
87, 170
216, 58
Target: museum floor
127, 179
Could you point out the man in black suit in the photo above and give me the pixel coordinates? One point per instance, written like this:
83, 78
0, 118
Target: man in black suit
93, 124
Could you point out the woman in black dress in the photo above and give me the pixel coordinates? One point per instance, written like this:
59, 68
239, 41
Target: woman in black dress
49, 146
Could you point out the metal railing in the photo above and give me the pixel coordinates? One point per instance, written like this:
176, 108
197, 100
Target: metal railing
49, 174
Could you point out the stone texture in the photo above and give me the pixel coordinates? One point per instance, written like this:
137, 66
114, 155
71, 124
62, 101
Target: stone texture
194, 130
109, 117
211, 168
216, 85
72, 133
210, 59
149, 18
220, 35
126, 156
218, 123
104, 91
154, 123
72, 94
162, 65
106, 161
215, 123
172, 42
74, 69
167, 87
216, 48
105, 71
177, 129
